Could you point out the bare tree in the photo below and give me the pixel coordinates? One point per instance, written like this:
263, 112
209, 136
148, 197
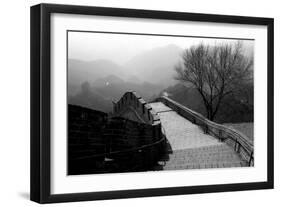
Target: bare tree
215, 71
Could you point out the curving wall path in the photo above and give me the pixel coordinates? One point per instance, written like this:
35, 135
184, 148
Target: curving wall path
234, 139
197, 141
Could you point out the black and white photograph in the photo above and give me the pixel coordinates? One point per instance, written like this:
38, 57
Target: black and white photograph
140, 102
129, 103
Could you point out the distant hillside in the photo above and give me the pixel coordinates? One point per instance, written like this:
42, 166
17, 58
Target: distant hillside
87, 97
153, 67
81, 71
156, 65
108, 80
100, 94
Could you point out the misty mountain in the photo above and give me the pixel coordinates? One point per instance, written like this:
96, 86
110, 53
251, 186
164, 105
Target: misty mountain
72, 89
99, 94
87, 97
81, 71
108, 80
134, 79
113, 87
156, 65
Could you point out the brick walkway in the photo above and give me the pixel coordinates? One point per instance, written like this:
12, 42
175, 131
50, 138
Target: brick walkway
190, 147
219, 156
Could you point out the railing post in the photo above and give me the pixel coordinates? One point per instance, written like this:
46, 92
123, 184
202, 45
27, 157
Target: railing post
238, 149
251, 158
194, 120
220, 135
206, 129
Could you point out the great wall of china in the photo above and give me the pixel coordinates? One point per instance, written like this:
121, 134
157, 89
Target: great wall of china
141, 136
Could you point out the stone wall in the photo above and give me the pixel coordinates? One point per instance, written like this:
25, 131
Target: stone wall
85, 137
127, 134
134, 107
133, 144
98, 143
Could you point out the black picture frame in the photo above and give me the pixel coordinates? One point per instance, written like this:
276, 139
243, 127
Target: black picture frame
40, 102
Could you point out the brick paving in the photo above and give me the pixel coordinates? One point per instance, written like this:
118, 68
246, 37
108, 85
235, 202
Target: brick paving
181, 133
191, 148
219, 156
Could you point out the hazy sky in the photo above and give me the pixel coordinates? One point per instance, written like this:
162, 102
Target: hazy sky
122, 47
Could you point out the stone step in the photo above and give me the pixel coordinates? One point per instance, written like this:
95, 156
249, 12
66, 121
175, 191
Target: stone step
205, 165
204, 157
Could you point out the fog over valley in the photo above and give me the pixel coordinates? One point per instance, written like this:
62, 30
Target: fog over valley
102, 67
148, 73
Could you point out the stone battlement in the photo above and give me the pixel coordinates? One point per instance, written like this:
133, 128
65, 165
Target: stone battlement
134, 107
